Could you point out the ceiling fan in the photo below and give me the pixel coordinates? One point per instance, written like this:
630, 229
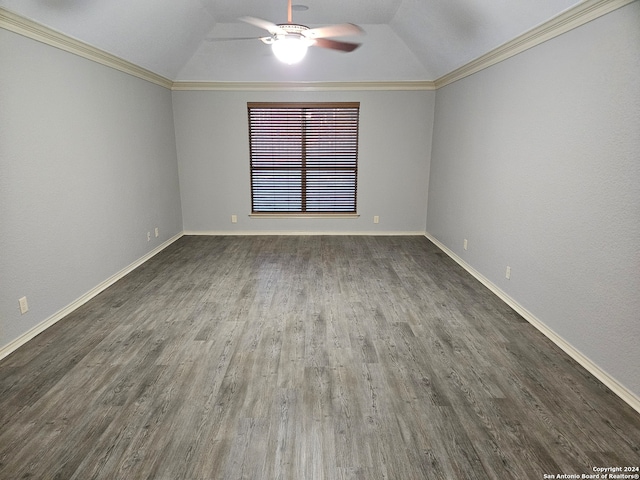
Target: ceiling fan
289, 41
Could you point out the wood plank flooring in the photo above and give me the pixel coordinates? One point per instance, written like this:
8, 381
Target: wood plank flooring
303, 357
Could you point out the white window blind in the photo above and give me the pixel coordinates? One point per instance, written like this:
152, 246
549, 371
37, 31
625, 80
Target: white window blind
304, 157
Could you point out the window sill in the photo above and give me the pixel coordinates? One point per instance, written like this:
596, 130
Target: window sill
304, 215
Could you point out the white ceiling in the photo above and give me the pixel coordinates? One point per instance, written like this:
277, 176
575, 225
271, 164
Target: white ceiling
405, 40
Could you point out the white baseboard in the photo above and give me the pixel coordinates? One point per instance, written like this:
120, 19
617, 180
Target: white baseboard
289, 232
60, 314
617, 388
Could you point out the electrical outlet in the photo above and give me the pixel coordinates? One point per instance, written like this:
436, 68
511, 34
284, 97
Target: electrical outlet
234, 219
376, 219
466, 244
148, 236
157, 232
24, 306
507, 274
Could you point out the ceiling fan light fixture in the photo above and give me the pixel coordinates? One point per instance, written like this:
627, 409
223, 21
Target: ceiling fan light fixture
290, 49
290, 41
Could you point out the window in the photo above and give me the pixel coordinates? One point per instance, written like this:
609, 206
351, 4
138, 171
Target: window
304, 157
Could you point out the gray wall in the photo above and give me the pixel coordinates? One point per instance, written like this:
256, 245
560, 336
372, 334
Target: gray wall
393, 161
87, 167
536, 162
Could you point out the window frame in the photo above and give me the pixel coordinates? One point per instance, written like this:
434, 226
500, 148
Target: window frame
347, 161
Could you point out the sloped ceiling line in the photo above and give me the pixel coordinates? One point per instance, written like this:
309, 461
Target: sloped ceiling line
568, 20
28, 28
562, 23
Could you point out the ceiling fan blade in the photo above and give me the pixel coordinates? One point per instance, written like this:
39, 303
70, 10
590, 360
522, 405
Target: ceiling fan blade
272, 28
336, 45
342, 30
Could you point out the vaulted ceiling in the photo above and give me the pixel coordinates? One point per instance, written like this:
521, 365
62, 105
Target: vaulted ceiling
404, 40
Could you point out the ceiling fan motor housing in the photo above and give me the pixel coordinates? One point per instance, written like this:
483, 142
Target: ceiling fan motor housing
291, 46
294, 29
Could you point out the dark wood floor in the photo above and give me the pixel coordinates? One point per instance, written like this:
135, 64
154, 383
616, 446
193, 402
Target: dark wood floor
311, 357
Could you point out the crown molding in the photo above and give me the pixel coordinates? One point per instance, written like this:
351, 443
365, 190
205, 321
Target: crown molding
28, 28
36, 31
562, 23
303, 86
